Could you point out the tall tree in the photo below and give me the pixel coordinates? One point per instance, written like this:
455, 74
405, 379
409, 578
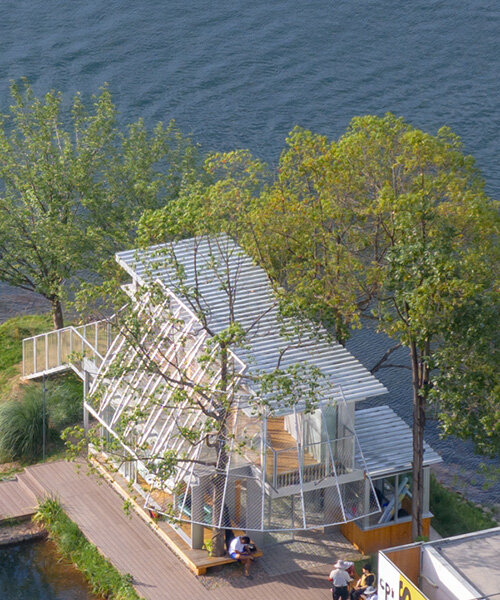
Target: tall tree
403, 218
72, 187
392, 225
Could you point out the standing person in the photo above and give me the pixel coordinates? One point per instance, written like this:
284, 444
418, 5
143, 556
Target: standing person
238, 551
340, 578
367, 579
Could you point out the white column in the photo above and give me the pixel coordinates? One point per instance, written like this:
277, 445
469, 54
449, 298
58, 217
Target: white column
332, 508
255, 510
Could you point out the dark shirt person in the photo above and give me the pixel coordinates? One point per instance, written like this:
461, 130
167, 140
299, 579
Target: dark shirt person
366, 580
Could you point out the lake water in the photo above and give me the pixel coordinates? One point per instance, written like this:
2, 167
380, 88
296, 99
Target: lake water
35, 571
242, 74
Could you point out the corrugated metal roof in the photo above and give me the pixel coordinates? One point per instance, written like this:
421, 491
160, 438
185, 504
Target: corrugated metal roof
215, 264
386, 441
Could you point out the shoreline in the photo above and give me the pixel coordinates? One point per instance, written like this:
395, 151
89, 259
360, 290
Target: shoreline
21, 531
15, 302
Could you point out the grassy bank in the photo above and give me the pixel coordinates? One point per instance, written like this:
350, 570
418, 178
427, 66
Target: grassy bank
12, 333
453, 514
103, 578
22, 404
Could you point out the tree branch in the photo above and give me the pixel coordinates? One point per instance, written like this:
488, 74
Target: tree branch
378, 365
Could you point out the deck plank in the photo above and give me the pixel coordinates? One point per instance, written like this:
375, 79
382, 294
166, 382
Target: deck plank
125, 540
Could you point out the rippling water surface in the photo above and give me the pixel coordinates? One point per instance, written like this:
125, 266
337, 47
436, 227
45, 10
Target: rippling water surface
242, 74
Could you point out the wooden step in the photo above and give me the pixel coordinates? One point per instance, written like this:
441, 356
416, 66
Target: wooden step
196, 560
16, 501
32, 484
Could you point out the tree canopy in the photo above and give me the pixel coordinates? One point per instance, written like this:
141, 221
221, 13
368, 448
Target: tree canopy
72, 186
391, 225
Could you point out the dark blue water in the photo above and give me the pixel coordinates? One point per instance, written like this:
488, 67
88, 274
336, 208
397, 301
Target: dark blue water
34, 571
242, 74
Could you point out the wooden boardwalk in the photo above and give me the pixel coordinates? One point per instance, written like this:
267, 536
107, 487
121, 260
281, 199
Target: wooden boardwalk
16, 501
130, 544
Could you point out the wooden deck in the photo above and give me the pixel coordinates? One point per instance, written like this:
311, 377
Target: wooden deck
133, 547
16, 501
285, 446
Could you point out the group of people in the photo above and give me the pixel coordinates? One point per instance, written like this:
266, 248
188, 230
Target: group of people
343, 576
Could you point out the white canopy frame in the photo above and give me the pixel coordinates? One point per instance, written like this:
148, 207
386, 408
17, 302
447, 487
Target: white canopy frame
172, 326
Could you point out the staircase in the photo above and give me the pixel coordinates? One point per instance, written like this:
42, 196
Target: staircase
77, 348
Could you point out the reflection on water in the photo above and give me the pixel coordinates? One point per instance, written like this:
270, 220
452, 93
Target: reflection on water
35, 571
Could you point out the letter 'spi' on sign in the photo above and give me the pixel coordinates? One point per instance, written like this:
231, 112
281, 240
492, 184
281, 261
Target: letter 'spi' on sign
407, 591
393, 585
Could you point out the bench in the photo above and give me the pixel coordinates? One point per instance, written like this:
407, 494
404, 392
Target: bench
215, 561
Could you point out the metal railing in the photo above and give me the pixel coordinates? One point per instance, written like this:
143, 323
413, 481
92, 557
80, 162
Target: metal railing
66, 348
312, 462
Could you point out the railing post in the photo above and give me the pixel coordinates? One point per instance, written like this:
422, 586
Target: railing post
24, 366
46, 352
86, 387
275, 469
34, 355
58, 347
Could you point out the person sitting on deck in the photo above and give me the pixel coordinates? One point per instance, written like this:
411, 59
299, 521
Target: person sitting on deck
240, 549
367, 579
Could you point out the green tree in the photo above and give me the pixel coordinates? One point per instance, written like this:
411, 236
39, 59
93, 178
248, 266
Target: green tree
72, 187
392, 225
466, 386
410, 235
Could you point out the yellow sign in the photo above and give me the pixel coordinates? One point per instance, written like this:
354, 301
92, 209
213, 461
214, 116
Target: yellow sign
407, 591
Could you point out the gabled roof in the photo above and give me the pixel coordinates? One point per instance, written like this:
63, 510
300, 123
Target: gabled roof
386, 442
213, 263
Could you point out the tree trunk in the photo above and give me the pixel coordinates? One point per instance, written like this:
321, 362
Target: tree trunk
218, 534
219, 479
57, 313
418, 447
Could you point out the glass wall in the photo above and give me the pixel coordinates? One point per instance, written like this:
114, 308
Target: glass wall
394, 495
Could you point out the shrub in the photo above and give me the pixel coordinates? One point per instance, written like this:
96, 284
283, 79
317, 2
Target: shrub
21, 427
21, 421
103, 578
65, 402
